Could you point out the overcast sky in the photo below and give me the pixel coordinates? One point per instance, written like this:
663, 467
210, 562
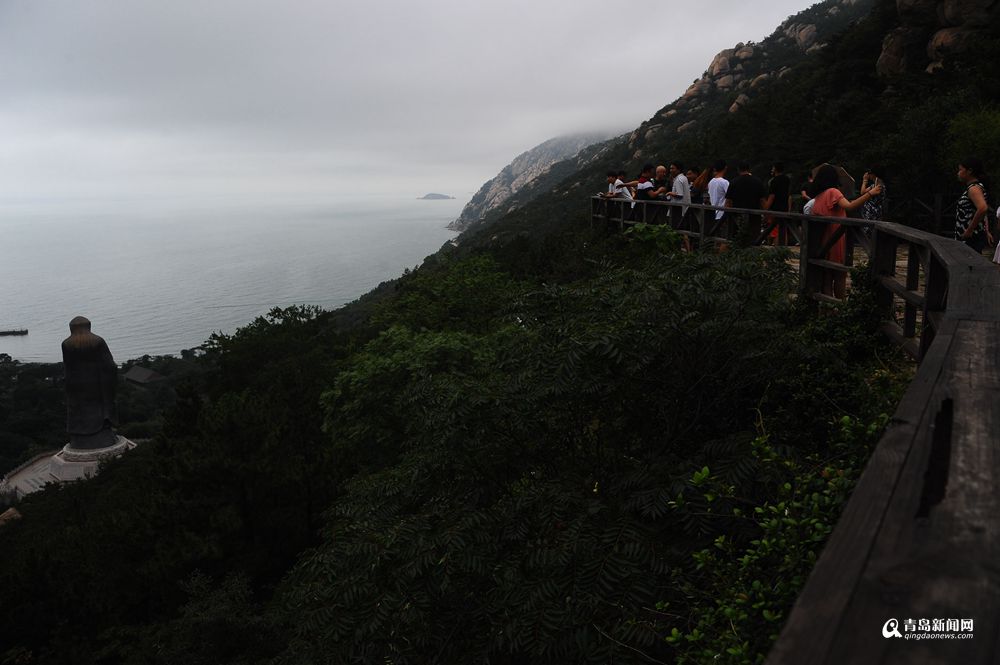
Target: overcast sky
181, 99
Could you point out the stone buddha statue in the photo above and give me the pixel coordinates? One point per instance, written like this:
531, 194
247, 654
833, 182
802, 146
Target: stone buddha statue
91, 380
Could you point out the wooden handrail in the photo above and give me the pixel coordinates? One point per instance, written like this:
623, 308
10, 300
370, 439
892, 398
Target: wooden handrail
920, 536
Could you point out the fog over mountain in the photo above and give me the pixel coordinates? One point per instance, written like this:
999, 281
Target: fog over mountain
156, 101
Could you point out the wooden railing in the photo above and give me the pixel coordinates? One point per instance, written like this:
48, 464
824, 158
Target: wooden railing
920, 536
912, 282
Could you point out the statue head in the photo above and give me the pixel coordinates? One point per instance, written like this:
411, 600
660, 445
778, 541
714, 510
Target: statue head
79, 323
80, 336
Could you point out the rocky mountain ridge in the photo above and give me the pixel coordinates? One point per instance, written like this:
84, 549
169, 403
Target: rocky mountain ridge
736, 73
526, 168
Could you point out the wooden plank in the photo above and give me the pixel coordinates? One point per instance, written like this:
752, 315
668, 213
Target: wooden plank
830, 265
858, 236
912, 407
935, 293
924, 254
954, 254
974, 289
899, 336
795, 232
810, 278
905, 233
832, 240
883, 264
913, 268
822, 297
898, 289
937, 551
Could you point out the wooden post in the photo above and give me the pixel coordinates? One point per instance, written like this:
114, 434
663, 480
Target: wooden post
810, 276
703, 226
883, 264
935, 295
849, 244
938, 208
912, 284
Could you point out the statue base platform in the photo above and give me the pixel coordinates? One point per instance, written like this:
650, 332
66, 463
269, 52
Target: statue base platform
76, 464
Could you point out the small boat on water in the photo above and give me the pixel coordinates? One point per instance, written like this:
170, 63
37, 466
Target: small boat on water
22, 331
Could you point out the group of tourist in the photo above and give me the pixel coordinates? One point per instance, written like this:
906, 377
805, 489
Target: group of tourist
661, 183
746, 191
823, 193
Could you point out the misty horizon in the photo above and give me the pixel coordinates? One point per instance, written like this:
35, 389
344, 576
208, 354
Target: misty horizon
261, 101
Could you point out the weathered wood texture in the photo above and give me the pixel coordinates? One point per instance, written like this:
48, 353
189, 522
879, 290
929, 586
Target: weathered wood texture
920, 536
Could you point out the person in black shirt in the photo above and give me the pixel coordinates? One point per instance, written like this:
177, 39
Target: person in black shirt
779, 199
644, 186
746, 191
697, 185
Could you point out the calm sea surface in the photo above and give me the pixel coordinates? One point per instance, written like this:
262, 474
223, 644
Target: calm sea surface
158, 281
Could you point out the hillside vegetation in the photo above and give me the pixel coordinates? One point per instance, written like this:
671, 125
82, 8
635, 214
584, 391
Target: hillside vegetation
494, 470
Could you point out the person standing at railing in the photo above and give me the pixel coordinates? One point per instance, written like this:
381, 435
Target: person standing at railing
746, 191
717, 188
644, 186
661, 188
616, 188
831, 202
680, 191
874, 209
807, 192
779, 199
612, 176
699, 183
661, 183
971, 226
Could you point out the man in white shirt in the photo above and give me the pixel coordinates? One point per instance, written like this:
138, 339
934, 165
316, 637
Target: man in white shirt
617, 189
717, 188
681, 189
680, 192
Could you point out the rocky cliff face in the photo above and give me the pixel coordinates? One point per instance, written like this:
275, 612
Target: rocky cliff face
735, 74
526, 168
932, 29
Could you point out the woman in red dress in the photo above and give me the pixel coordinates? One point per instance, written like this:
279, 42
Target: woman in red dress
831, 202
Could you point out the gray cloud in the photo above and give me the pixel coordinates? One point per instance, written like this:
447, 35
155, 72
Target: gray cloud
185, 98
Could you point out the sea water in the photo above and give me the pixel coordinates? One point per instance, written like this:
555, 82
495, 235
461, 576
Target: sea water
160, 278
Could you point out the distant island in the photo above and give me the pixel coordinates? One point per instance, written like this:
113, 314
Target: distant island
434, 197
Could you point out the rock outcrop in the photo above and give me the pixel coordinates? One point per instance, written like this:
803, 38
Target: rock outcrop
735, 75
525, 169
931, 30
